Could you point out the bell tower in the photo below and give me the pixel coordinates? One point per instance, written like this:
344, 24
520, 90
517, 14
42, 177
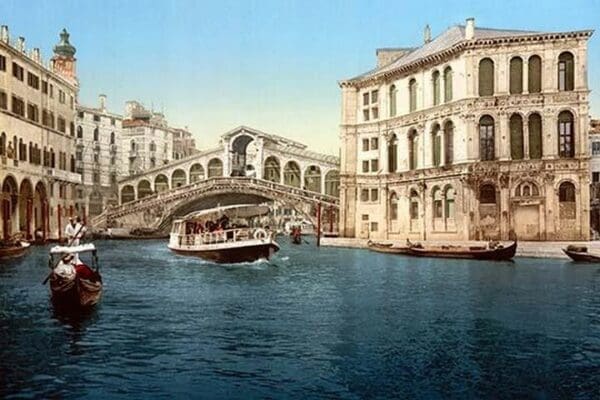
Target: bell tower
64, 57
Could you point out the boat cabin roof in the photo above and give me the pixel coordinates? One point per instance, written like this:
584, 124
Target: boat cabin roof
73, 249
234, 211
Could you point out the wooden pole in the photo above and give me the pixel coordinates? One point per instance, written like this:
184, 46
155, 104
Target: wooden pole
46, 220
330, 219
318, 224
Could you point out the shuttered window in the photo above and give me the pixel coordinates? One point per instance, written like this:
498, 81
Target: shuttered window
516, 75
565, 72
535, 136
516, 137
486, 77
535, 74
486, 138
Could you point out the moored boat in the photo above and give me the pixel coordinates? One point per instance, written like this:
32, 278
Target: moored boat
73, 283
198, 235
496, 252
580, 254
388, 248
14, 249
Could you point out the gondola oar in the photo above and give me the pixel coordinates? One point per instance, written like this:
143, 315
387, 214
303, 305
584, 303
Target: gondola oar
60, 258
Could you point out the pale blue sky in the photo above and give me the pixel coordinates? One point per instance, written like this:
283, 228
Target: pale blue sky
272, 65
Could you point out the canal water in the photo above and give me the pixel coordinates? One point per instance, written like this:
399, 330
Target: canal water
314, 323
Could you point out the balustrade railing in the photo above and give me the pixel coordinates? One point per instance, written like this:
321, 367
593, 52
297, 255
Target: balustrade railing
216, 237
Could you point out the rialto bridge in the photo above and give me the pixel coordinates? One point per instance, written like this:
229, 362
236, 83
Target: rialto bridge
247, 166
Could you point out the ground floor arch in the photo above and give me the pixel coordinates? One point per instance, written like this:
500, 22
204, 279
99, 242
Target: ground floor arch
272, 169
215, 168
144, 189
127, 194
10, 194
161, 183
197, 173
291, 174
312, 178
178, 178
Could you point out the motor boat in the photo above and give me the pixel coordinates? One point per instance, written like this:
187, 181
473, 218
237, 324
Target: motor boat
211, 235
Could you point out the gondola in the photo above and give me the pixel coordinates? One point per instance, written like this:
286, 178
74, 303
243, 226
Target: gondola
13, 249
387, 248
580, 254
73, 283
493, 253
296, 235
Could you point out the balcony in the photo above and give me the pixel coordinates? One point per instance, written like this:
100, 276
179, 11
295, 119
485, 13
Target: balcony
66, 176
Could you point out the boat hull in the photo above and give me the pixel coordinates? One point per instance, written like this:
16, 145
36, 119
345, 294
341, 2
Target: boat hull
579, 256
232, 255
388, 248
76, 292
14, 251
498, 254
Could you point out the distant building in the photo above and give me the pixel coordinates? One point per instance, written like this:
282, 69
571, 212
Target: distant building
595, 177
37, 137
478, 133
184, 144
99, 156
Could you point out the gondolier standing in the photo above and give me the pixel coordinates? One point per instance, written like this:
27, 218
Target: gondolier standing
74, 231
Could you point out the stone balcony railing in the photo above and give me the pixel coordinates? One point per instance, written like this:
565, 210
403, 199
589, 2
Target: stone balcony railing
65, 176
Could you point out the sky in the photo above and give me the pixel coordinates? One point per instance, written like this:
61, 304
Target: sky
270, 65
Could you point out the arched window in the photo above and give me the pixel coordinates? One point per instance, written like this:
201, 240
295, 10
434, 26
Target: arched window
566, 192
436, 87
132, 145
447, 84
72, 129
487, 194
527, 189
215, 167
393, 153
516, 75
535, 136
436, 141
449, 203
412, 93
79, 132
52, 159
413, 149
438, 210
448, 143
414, 205
393, 206
96, 134
112, 138
486, 77
516, 137
486, 138
2, 144
565, 71
535, 74
393, 93
566, 137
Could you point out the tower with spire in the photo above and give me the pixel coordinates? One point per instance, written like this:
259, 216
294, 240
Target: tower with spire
64, 60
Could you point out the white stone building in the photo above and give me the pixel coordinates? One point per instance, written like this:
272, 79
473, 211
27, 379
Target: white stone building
99, 157
37, 144
477, 134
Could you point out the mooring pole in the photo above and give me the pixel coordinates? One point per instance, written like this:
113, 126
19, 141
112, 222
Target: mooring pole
331, 219
318, 224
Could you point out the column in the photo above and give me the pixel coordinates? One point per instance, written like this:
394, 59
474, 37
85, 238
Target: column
526, 139
525, 76
501, 130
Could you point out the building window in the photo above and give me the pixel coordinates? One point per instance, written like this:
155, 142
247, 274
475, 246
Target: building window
393, 98
374, 165
33, 80
566, 137
18, 71
62, 97
566, 192
51, 91
535, 136
365, 144
79, 132
393, 153
374, 226
565, 72
375, 112
33, 113
413, 149
516, 75
436, 145
516, 137
374, 194
112, 121
61, 124
365, 166
18, 106
437, 203
595, 177
595, 148
364, 217
436, 87
449, 203
2, 63
96, 177
96, 118
364, 195
448, 143
486, 77
374, 143
414, 205
44, 87
486, 138
448, 84
3, 101
96, 134
366, 115
393, 206
366, 99
371, 111
535, 74
487, 194
412, 95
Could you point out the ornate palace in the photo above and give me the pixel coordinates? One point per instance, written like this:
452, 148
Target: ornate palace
477, 134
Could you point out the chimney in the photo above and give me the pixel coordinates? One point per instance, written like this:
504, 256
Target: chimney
102, 99
470, 29
427, 34
4, 33
21, 44
36, 55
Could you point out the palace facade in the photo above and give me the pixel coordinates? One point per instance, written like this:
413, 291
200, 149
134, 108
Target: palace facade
477, 134
37, 149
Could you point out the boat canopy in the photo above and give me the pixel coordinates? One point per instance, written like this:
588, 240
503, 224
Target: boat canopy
234, 211
73, 249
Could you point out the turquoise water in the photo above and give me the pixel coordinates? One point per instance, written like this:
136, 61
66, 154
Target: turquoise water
313, 323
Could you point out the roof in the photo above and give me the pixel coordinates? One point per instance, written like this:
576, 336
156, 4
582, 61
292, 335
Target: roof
445, 41
233, 211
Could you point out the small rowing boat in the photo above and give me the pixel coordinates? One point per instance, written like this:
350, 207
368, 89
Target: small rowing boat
387, 248
73, 283
494, 252
13, 249
580, 254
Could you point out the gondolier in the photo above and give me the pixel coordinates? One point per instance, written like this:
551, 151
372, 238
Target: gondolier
74, 231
